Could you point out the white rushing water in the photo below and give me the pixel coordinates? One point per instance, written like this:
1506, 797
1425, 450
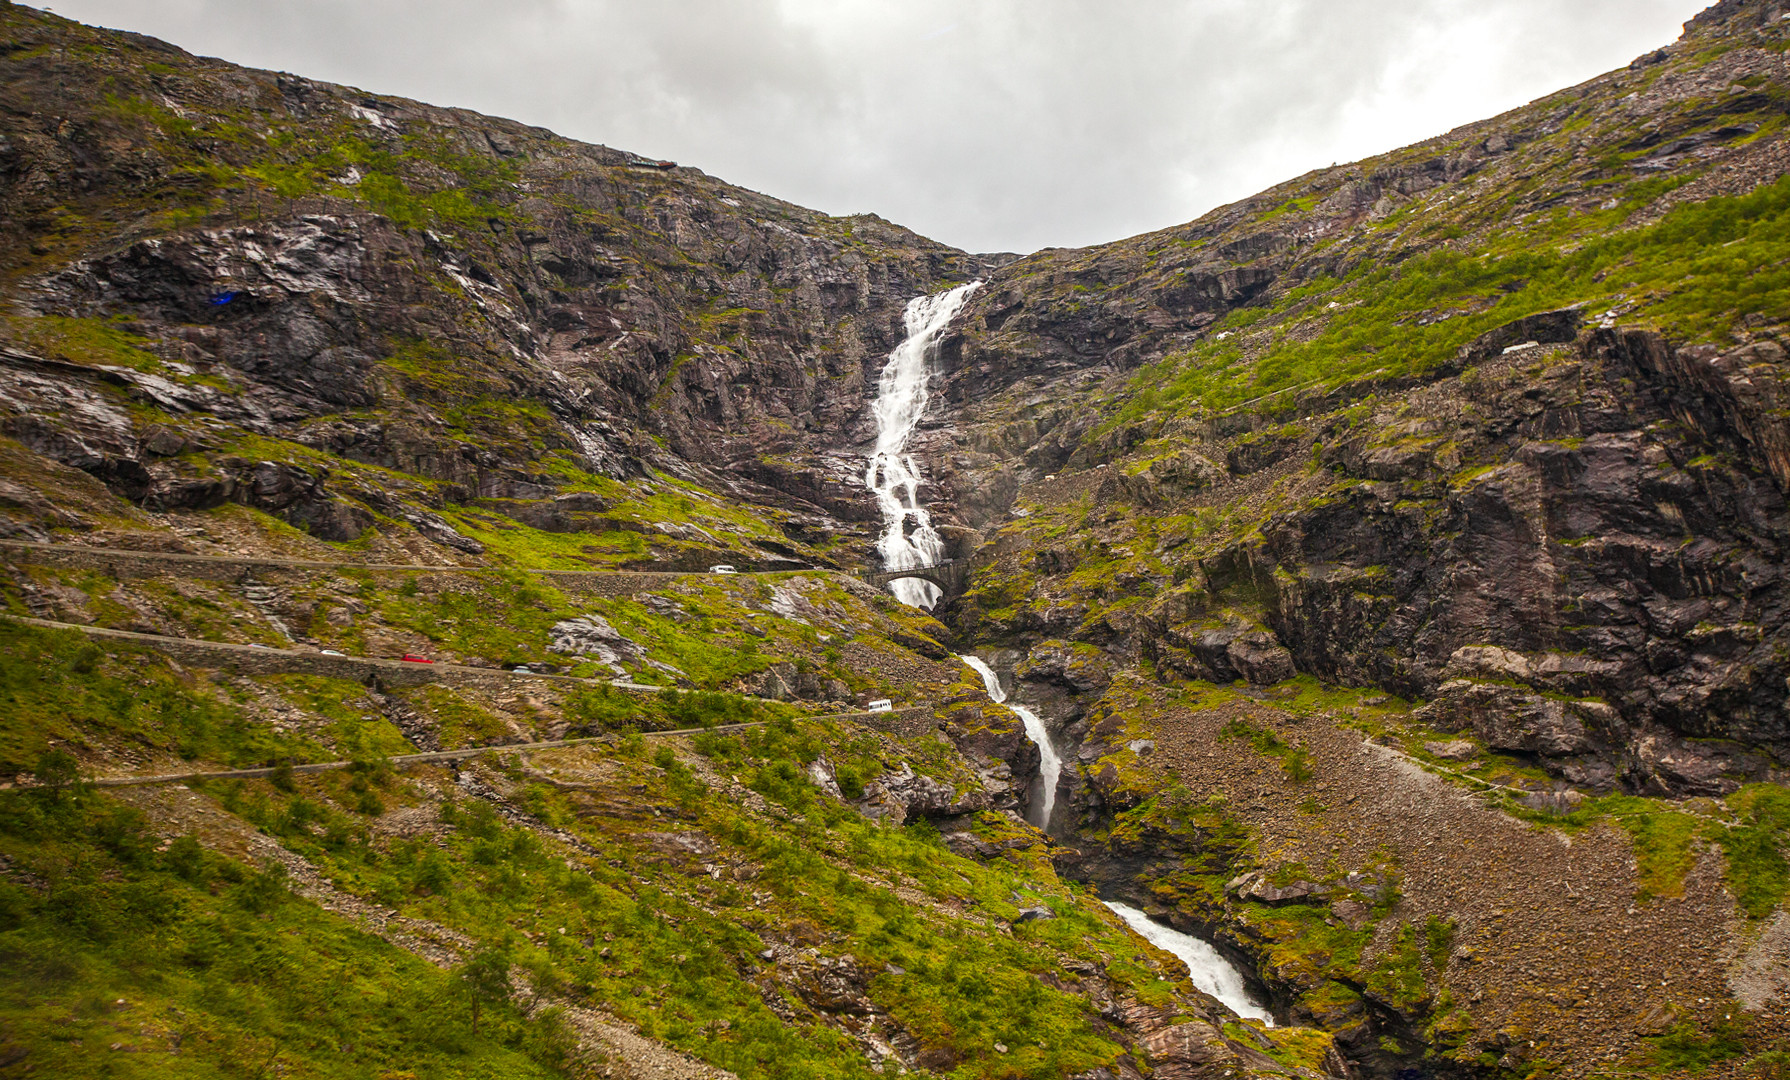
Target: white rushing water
909, 539
1050, 766
1211, 972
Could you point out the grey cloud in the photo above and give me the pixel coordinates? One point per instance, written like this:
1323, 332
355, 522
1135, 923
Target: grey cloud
994, 125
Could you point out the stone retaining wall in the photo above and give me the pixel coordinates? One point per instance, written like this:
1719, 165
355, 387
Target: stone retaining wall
606, 584
253, 660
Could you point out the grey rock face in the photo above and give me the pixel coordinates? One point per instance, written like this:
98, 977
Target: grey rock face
592, 636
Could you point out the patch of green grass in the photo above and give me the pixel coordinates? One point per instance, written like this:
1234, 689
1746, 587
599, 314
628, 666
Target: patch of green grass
501, 615
354, 727
1295, 761
1438, 941
711, 649
477, 397
1701, 266
519, 430
202, 611
515, 544
402, 181
76, 691
459, 722
107, 342
1297, 205
204, 967
604, 708
1396, 975
1665, 845
1302, 1048
1758, 874
1689, 1048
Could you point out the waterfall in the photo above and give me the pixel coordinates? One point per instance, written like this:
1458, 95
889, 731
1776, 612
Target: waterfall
1209, 969
1050, 766
909, 539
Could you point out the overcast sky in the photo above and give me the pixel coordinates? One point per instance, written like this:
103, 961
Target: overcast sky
992, 125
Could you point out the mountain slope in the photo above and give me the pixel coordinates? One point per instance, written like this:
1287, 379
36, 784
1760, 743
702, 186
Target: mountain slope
486, 309
1330, 379
1393, 558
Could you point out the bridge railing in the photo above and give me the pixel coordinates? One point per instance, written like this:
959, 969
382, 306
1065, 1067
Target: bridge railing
871, 575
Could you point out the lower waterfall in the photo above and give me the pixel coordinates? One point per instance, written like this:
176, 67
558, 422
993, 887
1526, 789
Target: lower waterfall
1209, 969
1050, 765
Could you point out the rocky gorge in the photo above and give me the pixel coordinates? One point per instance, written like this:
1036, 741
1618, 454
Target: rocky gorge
1390, 562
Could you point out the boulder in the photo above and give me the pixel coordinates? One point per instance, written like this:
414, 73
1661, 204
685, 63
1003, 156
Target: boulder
1512, 719
1257, 887
1297, 892
774, 687
1353, 912
906, 795
1213, 649
1260, 659
1553, 802
820, 770
594, 637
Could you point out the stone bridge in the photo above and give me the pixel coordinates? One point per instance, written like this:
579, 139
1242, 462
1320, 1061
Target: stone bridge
950, 576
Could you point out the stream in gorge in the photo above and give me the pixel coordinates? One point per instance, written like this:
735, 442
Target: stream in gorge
1207, 966
1050, 763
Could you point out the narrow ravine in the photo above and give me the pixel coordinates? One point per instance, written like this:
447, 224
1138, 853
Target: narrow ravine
908, 539
1050, 764
1207, 966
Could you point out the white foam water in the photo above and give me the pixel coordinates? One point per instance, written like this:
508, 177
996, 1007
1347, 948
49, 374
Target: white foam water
1050, 765
1207, 966
909, 540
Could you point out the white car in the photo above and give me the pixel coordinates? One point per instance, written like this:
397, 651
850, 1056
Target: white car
520, 670
722, 568
882, 704
328, 652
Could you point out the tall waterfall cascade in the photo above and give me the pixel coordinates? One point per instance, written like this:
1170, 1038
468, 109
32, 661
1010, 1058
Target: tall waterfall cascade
1207, 966
908, 539
1050, 765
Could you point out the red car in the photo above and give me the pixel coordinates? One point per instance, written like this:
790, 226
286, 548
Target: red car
416, 659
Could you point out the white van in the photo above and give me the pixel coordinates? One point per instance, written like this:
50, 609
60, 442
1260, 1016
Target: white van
722, 568
882, 704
